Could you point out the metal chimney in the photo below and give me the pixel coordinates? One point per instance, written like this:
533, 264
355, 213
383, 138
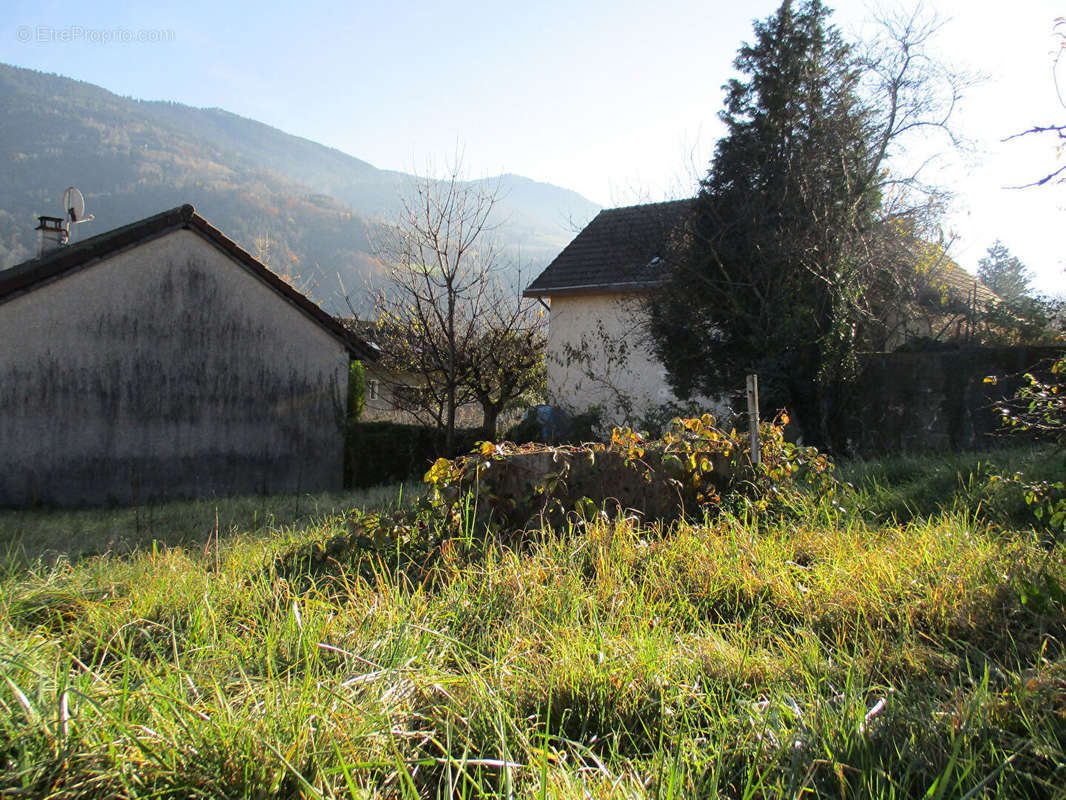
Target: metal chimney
51, 234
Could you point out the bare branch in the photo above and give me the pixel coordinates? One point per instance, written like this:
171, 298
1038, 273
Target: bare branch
912, 94
1057, 129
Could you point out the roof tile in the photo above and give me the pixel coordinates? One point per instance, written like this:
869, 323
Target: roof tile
616, 251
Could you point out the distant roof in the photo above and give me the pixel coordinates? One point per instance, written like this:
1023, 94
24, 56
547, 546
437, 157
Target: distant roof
58, 263
961, 283
365, 329
620, 250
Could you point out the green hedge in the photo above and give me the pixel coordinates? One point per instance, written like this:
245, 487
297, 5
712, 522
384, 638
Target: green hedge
378, 453
356, 390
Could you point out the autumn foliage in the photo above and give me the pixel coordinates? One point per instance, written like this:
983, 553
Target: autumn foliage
696, 468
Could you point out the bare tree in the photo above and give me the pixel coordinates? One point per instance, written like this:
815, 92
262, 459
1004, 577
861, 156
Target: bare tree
913, 95
506, 363
445, 313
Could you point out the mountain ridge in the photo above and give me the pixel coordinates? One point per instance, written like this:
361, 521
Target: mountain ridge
310, 210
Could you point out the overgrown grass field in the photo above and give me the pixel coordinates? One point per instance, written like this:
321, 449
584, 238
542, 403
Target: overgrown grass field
902, 639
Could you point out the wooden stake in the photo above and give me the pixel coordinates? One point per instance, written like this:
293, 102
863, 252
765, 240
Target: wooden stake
753, 417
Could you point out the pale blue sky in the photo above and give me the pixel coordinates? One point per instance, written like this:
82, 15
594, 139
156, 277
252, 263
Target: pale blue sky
616, 100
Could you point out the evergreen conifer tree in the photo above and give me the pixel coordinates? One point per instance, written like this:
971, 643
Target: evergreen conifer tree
1003, 273
768, 276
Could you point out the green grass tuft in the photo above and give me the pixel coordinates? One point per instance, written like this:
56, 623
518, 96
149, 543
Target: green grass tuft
903, 640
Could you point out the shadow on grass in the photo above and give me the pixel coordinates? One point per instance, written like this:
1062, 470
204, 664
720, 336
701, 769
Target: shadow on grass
908, 487
47, 535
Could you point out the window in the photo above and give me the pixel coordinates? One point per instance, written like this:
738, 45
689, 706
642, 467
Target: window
371, 390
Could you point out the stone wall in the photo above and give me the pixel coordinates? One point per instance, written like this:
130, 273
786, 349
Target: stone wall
935, 401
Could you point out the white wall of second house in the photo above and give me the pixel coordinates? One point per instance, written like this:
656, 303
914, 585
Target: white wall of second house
599, 356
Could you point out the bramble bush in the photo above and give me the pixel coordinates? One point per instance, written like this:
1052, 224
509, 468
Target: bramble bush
1038, 409
696, 469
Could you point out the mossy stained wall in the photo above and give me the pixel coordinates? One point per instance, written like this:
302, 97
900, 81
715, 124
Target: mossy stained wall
166, 370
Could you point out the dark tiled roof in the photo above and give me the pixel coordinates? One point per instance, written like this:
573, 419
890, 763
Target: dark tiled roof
364, 329
54, 265
617, 251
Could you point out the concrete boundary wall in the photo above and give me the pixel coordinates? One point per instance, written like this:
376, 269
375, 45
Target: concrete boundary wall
936, 401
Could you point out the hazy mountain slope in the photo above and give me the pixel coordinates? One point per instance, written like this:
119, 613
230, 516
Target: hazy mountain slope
545, 213
360, 185
310, 208
55, 132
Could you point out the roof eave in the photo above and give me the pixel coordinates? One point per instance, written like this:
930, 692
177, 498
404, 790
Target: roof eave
617, 287
38, 272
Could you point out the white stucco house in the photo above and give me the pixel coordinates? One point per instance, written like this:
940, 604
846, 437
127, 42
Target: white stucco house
161, 360
598, 351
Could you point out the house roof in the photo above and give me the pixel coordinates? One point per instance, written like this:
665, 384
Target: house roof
364, 329
63, 261
620, 250
961, 283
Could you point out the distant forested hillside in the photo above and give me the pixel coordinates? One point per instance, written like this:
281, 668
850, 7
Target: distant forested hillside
310, 210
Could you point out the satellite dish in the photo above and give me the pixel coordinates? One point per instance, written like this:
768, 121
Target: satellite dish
74, 206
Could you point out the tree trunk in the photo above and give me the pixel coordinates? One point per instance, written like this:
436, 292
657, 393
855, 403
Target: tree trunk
488, 425
449, 425
453, 355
